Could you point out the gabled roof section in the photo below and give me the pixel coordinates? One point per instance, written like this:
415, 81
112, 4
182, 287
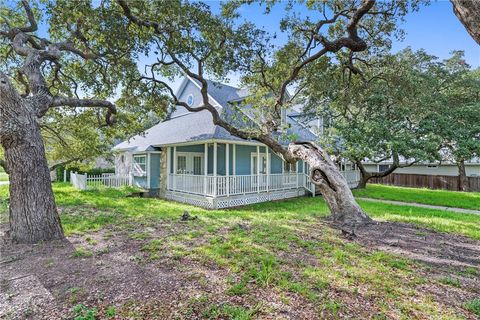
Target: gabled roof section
222, 93
198, 126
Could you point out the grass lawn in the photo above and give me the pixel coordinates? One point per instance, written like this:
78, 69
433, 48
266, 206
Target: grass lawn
3, 176
439, 220
466, 200
270, 260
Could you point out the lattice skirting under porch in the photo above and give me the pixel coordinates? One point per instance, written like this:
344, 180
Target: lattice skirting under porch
233, 201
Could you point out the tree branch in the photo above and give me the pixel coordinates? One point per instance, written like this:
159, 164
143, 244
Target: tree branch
63, 163
352, 42
31, 18
87, 103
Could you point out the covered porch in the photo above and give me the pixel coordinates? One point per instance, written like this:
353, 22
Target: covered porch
220, 174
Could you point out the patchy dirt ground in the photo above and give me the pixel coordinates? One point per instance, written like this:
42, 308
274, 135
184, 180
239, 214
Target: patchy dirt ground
440, 250
443, 254
116, 268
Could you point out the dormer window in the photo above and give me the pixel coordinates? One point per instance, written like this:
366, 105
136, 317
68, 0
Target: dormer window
190, 100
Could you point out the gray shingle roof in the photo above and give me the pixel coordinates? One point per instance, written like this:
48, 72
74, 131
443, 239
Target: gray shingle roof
224, 93
198, 126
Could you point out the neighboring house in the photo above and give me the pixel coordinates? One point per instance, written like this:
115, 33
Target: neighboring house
445, 168
188, 159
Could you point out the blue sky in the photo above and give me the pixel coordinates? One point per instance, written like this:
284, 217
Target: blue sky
434, 28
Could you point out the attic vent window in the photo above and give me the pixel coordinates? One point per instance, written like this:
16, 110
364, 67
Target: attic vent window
190, 100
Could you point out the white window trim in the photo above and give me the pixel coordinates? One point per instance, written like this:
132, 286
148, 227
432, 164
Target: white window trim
137, 166
295, 165
254, 154
189, 160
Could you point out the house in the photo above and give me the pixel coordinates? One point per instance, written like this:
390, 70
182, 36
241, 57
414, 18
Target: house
189, 159
444, 168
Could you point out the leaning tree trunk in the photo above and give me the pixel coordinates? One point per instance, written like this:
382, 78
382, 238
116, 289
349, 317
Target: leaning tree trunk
333, 186
467, 11
33, 213
462, 176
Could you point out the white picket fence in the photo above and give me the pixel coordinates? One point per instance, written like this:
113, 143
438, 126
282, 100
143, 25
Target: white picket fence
111, 180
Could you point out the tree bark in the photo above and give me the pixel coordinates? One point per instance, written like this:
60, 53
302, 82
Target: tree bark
364, 175
333, 186
462, 176
362, 184
467, 11
32, 210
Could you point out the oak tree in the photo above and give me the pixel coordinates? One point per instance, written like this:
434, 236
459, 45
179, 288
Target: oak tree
454, 114
199, 43
50, 62
375, 114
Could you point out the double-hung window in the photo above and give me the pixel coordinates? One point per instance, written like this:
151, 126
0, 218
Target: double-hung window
140, 165
289, 167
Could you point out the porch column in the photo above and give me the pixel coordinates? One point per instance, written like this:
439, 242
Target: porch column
148, 170
268, 167
174, 176
296, 171
205, 169
258, 169
215, 169
227, 167
168, 169
234, 164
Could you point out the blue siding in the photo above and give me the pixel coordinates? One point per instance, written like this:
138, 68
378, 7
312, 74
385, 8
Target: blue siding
154, 171
243, 158
140, 182
210, 159
221, 155
276, 164
221, 162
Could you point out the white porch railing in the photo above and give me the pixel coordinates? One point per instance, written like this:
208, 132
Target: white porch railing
111, 180
219, 186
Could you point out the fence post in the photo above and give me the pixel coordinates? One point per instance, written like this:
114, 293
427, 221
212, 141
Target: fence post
83, 181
